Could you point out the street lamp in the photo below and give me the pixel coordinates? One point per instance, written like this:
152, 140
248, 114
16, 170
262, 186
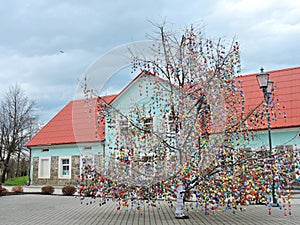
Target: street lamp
267, 86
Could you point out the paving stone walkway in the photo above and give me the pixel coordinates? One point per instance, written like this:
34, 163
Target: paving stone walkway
29, 209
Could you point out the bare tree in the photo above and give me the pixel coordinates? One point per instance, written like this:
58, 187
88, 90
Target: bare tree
196, 77
17, 123
200, 142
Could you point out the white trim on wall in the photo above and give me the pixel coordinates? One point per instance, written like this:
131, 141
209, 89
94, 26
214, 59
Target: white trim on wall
277, 130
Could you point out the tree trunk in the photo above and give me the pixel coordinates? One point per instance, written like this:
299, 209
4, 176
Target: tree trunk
5, 168
4, 171
18, 165
179, 214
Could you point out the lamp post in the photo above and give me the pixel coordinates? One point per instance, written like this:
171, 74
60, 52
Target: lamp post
267, 87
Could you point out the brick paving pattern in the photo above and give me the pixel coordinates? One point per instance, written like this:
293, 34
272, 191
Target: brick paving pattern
62, 210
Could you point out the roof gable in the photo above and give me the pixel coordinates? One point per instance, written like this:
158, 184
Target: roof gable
287, 95
143, 73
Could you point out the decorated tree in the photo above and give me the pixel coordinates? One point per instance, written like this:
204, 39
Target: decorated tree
187, 134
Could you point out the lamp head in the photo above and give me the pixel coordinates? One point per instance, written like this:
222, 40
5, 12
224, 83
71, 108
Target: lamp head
262, 79
270, 87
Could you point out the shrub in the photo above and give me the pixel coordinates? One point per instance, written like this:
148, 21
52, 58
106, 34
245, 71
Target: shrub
68, 190
17, 189
47, 190
3, 190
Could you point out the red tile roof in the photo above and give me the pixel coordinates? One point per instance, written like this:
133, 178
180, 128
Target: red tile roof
286, 96
75, 123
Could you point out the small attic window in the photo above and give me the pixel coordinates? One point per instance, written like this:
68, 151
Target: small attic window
45, 150
87, 148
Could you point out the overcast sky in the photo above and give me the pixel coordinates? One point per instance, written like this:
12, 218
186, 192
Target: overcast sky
46, 46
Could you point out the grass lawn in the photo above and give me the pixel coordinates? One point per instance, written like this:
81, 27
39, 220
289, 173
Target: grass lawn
16, 181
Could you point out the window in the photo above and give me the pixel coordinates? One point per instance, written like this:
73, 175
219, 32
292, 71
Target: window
173, 126
172, 130
87, 161
45, 150
123, 126
148, 124
147, 158
64, 167
44, 167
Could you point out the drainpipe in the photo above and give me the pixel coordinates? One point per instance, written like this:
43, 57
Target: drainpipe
29, 168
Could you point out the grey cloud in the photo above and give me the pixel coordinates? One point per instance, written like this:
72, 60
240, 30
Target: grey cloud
34, 32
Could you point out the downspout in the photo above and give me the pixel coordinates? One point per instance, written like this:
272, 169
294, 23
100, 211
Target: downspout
29, 168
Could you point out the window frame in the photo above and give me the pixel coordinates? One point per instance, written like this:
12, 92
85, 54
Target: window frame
61, 165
